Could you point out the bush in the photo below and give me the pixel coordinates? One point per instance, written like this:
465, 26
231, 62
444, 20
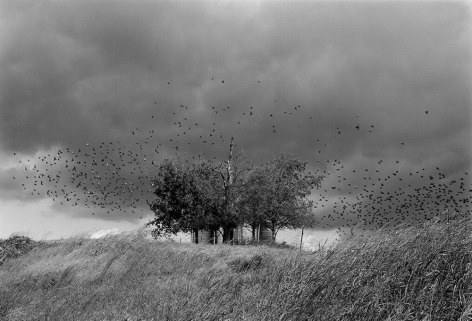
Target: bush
15, 246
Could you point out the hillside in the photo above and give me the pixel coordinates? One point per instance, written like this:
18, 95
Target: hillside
408, 273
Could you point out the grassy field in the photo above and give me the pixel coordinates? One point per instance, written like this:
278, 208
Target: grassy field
408, 273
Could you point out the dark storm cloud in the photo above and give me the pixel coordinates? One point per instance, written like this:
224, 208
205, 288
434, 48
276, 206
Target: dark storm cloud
80, 72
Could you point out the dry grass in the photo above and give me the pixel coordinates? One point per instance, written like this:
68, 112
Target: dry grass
410, 273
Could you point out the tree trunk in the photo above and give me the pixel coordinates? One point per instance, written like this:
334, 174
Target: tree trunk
195, 236
301, 239
228, 232
274, 234
253, 231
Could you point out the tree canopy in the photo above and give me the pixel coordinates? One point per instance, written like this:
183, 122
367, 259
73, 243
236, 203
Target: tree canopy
202, 196
276, 195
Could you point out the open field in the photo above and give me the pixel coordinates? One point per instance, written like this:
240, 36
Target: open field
408, 273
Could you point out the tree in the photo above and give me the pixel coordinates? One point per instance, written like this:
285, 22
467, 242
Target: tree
197, 196
175, 205
214, 205
232, 175
185, 198
204, 196
252, 201
276, 195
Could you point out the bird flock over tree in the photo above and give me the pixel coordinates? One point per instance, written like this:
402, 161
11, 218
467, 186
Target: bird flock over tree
115, 176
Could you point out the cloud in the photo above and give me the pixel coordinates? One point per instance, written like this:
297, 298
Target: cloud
104, 233
324, 81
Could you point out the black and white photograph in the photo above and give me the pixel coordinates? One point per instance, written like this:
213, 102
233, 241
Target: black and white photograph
235, 160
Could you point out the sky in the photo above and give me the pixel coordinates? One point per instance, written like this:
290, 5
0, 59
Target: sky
374, 96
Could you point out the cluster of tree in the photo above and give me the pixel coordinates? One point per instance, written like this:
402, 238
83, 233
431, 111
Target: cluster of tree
203, 196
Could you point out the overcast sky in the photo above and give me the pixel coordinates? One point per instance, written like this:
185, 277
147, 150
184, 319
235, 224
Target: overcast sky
365, 91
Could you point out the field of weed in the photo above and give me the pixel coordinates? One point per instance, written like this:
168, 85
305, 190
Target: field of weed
408, 273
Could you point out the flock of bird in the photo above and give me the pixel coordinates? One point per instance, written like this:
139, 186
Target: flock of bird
112, 176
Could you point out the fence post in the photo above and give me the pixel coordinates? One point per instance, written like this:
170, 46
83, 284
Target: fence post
301, 239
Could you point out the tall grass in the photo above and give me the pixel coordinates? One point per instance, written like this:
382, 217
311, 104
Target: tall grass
408, 273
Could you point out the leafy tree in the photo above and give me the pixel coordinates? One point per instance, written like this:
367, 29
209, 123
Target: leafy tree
252, 201
195, 196
204, 196
212, 194
186, 199
177, 200
232, 181
276, 195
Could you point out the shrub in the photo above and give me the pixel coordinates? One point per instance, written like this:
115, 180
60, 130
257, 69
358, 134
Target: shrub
15, 246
